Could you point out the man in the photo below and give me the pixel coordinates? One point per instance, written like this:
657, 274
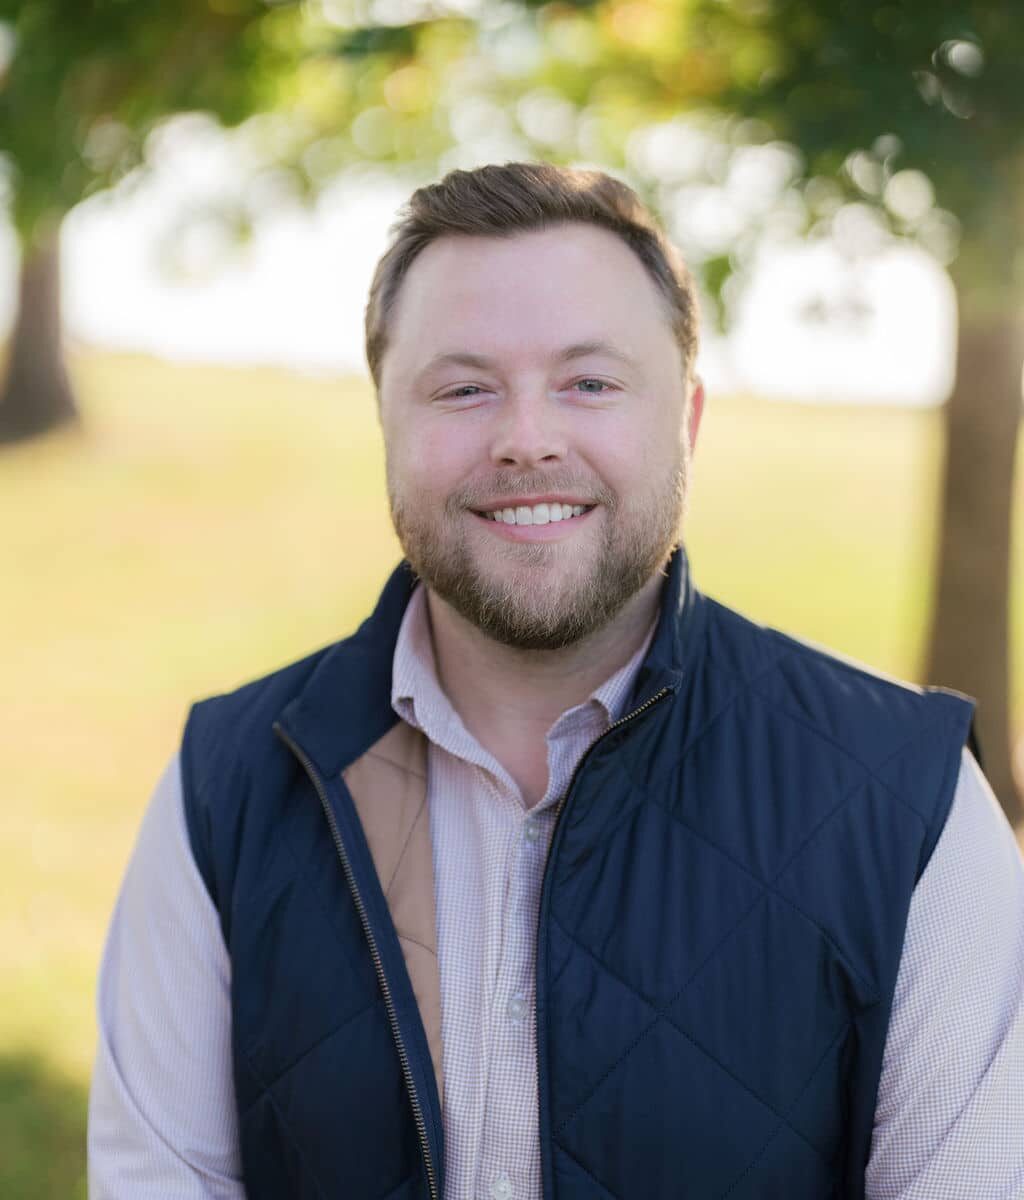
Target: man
558, 878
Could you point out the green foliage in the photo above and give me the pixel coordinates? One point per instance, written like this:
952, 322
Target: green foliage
86, 80
912, 111
879, 87
394, 40
717, 271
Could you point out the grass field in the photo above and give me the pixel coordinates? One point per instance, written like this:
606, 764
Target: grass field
208, 525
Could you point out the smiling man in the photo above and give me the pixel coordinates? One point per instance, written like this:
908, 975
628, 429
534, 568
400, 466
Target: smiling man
558, 878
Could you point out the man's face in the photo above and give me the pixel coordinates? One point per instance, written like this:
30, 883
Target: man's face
534, 375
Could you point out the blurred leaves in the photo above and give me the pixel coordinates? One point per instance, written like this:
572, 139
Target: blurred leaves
85, 82
912, 112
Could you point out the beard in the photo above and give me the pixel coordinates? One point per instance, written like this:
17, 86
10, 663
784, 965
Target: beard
534, 605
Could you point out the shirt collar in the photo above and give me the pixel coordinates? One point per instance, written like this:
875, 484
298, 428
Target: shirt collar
417, 696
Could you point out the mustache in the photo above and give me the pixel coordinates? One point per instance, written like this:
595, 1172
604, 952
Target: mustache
531, 483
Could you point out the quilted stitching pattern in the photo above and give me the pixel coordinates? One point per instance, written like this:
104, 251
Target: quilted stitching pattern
729, 891
315, 1026
670, 990
657, 1014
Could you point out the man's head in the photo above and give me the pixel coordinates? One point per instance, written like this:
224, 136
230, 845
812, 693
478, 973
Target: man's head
531, 335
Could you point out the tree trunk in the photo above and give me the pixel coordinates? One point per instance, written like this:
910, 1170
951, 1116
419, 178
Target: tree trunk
37, 395
970, 642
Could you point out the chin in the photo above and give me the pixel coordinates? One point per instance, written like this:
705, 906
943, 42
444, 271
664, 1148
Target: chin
537, 568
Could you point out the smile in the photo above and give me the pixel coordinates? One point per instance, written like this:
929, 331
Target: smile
536, 514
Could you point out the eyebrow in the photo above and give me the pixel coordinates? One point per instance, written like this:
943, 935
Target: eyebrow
463, 358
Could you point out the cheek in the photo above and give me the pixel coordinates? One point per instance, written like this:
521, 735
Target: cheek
433, 458
630, 459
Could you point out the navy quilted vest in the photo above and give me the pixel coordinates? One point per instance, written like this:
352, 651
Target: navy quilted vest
720, 930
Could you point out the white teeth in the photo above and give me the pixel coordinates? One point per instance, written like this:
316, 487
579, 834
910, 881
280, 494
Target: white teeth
538, 514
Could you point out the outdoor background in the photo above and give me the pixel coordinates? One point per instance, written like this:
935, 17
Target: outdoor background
191, 471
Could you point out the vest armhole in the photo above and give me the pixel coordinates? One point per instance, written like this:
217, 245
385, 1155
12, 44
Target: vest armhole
961, 733
197, 820
973, 744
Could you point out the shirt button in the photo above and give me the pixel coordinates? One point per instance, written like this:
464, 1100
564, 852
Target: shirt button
516, 1008
531, 829
501, 1188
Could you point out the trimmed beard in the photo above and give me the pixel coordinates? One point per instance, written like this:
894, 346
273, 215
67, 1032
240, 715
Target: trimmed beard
519, 612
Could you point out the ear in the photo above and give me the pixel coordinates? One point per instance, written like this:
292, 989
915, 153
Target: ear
696, 410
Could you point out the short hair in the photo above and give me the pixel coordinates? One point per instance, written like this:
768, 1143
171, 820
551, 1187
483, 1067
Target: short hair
516, 197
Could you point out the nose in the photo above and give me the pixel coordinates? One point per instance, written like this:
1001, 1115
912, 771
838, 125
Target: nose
530, 430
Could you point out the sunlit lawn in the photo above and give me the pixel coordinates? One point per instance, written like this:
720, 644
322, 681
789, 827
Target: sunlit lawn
209, 525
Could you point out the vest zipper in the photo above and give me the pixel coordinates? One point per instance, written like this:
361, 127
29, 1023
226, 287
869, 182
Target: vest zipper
389, 1004
586, 753
542, 1034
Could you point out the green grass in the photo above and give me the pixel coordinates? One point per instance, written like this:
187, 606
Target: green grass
42, 1127
208, 525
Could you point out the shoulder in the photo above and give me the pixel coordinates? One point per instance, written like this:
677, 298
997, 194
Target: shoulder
228, 746
822, 707
950, 1107
233, 724
874, 714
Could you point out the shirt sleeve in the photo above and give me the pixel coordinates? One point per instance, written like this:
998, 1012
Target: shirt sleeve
162, 1118
949, 1118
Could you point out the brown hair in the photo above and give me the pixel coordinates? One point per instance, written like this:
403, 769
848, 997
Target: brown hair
501, 201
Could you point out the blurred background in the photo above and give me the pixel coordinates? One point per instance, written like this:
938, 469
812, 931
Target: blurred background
191, 474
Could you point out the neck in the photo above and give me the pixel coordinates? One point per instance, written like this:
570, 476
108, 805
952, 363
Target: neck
505, 695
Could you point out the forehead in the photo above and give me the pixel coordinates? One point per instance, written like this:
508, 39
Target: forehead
522, 294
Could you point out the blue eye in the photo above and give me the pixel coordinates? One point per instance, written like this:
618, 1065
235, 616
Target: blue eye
466, 390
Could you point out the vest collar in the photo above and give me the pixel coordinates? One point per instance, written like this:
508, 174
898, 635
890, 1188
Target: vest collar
345, 705
676, 640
